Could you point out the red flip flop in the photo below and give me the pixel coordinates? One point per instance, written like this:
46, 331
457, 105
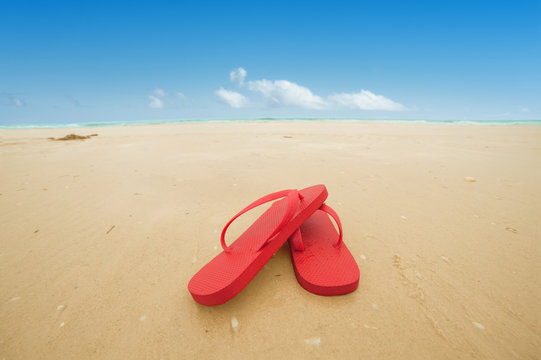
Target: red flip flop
322, 262
231, 270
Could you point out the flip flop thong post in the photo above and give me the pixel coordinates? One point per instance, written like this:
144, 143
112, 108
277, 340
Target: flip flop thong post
322, 262
230, 271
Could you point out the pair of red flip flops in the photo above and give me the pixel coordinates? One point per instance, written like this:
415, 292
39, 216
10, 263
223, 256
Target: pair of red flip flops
322, 262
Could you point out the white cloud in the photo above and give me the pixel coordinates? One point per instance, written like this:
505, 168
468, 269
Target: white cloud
160, 92
364, 100
11, 100
180, 95
237, 76
233, 98
286, 93
18, 102
524, 109
155, 102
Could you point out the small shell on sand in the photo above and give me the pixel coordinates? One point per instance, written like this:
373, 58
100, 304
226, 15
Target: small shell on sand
62, 324
234, 323
480, 326
60, 307
403, 217
143, 318
363, 257
470, 179
14, 299
446, 259
315, 341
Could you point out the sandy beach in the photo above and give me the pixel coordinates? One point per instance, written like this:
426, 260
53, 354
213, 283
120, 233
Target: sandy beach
99, 238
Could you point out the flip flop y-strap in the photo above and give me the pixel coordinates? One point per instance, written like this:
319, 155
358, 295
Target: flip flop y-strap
296, 238
292, 196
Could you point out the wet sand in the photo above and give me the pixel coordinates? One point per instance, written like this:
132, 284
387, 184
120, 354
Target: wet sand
99, 238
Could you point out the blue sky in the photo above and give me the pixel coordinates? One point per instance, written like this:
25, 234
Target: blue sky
64, 62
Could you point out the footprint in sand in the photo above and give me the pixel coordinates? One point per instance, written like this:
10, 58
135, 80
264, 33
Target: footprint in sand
396, 261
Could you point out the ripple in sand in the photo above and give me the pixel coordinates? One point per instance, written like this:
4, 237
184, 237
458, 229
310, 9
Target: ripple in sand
315, 341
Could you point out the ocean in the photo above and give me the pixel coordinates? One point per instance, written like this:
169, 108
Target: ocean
175, 121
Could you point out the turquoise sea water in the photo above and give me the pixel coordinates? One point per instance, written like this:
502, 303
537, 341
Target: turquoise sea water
175, 121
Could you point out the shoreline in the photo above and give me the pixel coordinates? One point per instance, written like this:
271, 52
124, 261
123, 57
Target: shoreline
298, 125
271, 120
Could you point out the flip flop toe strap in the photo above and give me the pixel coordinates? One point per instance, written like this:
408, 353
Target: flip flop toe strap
292, 195
334, 215
296, 238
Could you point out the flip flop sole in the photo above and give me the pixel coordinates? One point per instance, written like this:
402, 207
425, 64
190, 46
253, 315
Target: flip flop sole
229, 272
321, 268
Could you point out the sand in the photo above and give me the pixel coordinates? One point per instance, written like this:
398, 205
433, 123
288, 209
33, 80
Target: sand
99, 238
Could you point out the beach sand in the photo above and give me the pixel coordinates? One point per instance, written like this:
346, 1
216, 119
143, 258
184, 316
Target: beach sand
99, 238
